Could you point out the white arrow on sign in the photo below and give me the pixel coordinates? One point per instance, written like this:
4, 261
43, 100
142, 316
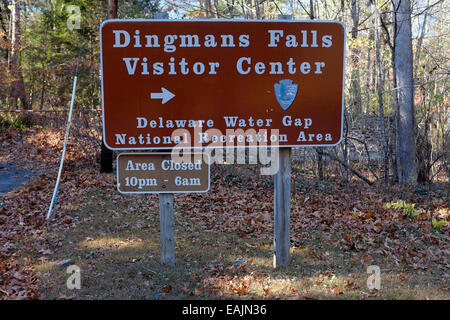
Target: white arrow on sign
165, 95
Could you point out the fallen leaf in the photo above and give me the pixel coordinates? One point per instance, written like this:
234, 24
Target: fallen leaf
167, 289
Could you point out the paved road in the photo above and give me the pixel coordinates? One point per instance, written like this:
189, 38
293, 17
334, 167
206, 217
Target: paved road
11, 177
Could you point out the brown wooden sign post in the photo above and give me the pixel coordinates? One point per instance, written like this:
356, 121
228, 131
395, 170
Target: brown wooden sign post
282, 209
166, 209
166, 227
282, 203
208, 84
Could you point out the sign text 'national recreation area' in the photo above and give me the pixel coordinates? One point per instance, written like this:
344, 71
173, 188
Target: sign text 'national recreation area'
185, 84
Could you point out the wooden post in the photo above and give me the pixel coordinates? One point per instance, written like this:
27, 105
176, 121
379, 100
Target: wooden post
106, 159
166, 228
282, 207
106, 155
166, 208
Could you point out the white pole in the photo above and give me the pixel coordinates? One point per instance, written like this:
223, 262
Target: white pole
55, 191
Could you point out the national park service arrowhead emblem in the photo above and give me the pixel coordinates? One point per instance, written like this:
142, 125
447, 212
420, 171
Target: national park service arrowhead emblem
285, 92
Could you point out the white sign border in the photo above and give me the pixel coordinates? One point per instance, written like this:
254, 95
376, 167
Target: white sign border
196, 148
163, 153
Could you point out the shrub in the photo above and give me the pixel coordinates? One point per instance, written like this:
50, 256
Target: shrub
10, 122
407, 208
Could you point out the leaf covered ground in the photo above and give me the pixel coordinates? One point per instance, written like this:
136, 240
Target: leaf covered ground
223, 238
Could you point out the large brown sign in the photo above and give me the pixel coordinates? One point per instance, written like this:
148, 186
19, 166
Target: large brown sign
162, 173
178, 83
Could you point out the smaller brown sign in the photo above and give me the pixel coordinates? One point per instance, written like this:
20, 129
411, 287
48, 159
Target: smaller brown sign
162, 173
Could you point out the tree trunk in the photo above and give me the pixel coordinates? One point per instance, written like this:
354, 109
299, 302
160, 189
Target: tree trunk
319, 150
44, 79
423, 141
112, 9
354, 58
230, 6
4, 17
420, 41
380, 92
208, 8
311, 9
394, 152
344, 147
370, 80
405, 91
257, 9
216, 8
17, 90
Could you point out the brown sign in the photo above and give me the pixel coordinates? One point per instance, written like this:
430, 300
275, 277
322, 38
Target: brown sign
162, 173
177, 83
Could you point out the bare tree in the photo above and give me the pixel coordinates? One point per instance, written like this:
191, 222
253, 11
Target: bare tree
230, 6
17, 90
380, 90
311, 9
370, 80
216, 8
403, 58
319, 150
112, 9
207, 7
354, 57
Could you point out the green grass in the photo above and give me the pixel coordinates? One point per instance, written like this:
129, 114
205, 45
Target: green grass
8, 121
